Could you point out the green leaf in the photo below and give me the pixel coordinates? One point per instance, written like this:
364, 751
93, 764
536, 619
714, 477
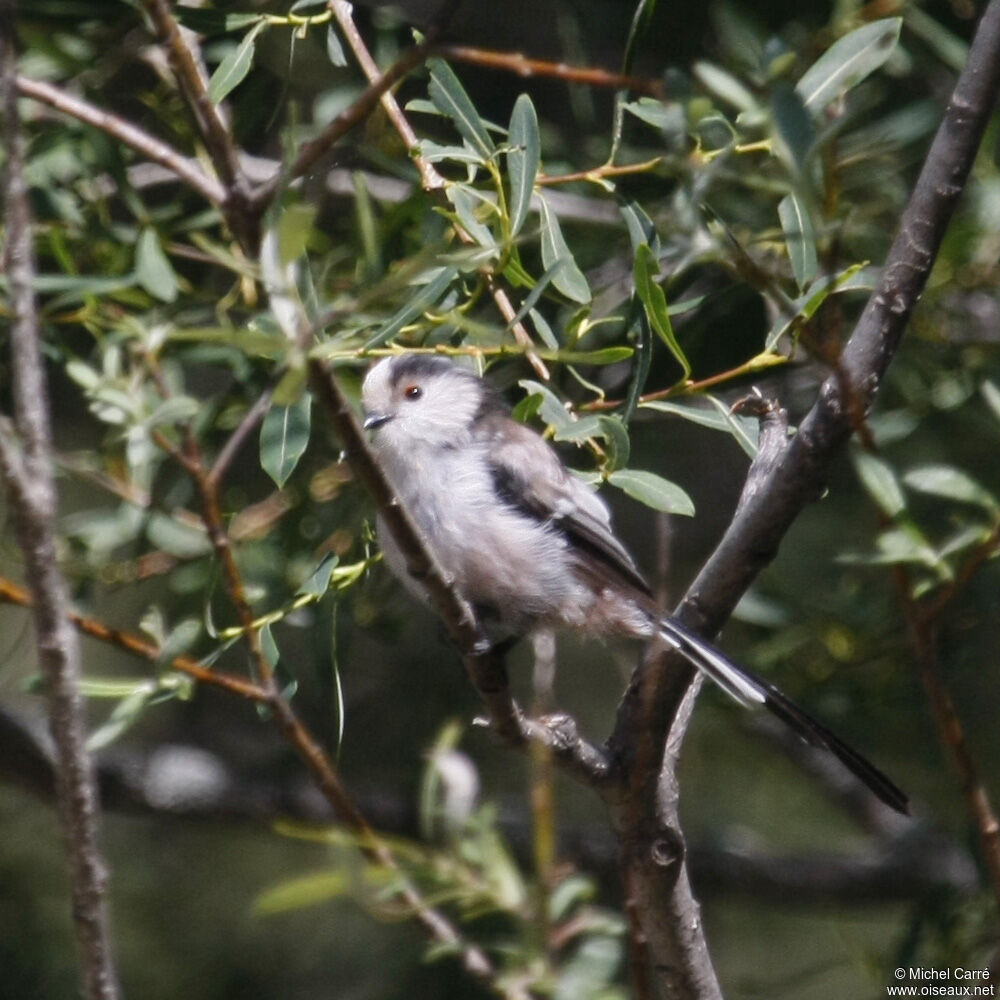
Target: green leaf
450, 98
640, 227
184, 541
569, 278
522, 160
743, 429
654, 301
551, 406
334, 50
126, 713
991, 396
653, 490
232, 71
466, 203
880, 483
152, 269
619, 446
427, 296
319, 582
722, 85
293, 229
847, 62
206, 21
952, 484
284, 436
307, 890
791, 119
799, 238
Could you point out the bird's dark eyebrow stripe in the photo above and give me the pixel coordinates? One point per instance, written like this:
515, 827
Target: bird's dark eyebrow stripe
419, 365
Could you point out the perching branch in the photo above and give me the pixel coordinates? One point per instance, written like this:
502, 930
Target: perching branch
26, 470
655, 708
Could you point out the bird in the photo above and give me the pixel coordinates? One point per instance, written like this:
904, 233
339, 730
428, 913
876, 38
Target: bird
528, 544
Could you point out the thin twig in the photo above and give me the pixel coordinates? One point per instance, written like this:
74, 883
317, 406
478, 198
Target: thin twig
352, 116
521, 65
242, 218
431, 179
342, 12
128, 134
26, 469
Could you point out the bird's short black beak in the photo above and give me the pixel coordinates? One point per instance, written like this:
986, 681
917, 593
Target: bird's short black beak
373, 420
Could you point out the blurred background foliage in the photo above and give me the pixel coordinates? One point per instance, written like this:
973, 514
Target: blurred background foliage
714, 229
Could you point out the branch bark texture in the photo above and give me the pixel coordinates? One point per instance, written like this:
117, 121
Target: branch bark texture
26, 467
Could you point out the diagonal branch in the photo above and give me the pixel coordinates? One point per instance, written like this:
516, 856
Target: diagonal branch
125, 132
26, 469
656, 707
242, 219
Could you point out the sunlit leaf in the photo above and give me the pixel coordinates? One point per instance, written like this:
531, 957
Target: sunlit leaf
654, 301
952, 484
522, 160
569, 278
284, 437
880, 483
799, 238
847, 62
450, 97
424, 298
653, 490
152, 268
232, 71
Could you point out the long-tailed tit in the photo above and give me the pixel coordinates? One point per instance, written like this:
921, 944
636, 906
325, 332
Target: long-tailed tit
528, 544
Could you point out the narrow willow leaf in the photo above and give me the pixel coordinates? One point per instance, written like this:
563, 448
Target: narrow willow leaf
466, 203
569, 278
952, 484
744, 429
232, 71
319, 581
427, 296
284, 436
654, 301
450, 97
799, 238
991, 395
847, 62
152, 268
791, 119
880, 483
653, 490
522, 160
551, 407
616, 437
334, 50
640, 226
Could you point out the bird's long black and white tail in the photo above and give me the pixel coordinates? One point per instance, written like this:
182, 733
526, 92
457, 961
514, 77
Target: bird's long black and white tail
751, 691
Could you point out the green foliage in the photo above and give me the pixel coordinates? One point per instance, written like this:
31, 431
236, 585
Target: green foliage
731, 236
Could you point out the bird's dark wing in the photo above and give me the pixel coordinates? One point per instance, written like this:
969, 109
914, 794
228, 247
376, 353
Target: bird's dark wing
529, 476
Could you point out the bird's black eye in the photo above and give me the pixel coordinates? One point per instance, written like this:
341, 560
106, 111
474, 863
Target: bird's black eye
413, 392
